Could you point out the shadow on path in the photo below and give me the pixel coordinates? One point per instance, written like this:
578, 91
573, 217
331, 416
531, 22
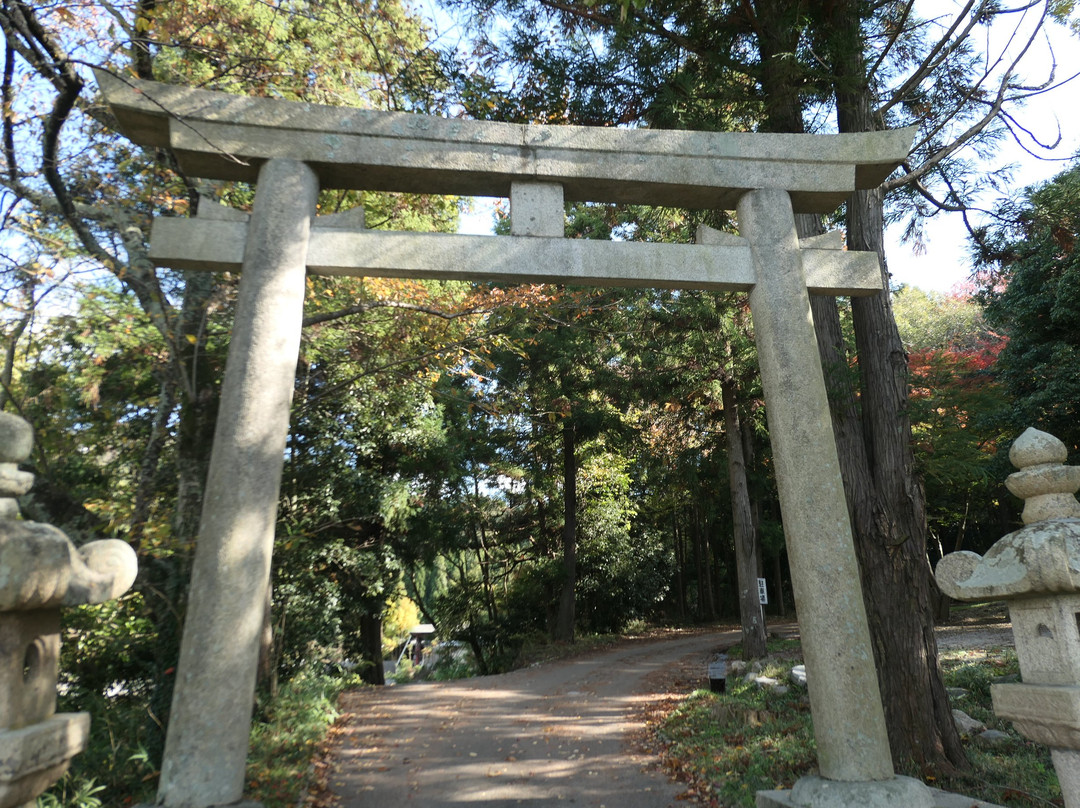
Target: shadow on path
556, 732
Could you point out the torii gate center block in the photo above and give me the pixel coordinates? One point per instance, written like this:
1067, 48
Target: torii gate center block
222, 136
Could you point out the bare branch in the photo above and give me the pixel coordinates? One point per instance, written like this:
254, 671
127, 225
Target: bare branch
900, 29
936, 56
362, 308
995, 108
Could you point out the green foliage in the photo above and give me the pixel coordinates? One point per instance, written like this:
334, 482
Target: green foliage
287, 734
958, 414
72, 794
1035, 299
936, 321
115, 769
107, 646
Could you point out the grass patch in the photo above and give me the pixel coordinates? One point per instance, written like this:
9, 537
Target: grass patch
288, 733
1018, 773
730, 745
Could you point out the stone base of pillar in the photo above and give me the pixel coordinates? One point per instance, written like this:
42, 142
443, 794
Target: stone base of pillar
900, 792
241, 804
1067, 764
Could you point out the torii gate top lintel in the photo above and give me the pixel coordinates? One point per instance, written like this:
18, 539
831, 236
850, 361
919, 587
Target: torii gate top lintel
222, 136
291, 150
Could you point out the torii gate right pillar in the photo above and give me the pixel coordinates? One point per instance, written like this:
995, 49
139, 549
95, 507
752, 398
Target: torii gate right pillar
849, 722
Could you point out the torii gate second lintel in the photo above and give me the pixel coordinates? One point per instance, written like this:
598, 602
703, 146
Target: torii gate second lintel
297, 147
717, 261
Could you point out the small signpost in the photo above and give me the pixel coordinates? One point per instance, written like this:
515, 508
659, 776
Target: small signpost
718, 673
763, 599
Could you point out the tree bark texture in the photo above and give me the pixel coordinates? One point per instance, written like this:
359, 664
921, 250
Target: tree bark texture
886, 501
746, 544
371, 646
885, 495
564, 625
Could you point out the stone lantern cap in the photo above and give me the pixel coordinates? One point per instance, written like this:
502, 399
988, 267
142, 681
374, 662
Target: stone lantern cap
1044, 556
41, 568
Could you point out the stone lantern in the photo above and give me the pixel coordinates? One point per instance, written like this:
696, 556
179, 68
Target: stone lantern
1037, 570
41, 571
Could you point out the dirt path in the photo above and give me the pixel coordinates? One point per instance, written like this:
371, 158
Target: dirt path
556, 732
539, 735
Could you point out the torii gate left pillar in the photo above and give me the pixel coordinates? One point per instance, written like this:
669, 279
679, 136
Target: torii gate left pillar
215, 683
299, 145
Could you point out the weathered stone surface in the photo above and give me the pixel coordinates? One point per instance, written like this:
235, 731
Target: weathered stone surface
207, 742
14, 483
212, 210
29, 660
42, 568
33, 758
1048, 714
1067, 764
536, 209
1047, 640
965, 724
351, 219
9, 509
798, 675
1040, 558
722, 265
992, 737
1037, 569
16, 438
1046, 486
817, 792
1035, 447
849, 723
388, 151
939, 799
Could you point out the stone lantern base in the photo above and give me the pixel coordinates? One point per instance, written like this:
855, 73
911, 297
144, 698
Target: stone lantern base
888, 794
35, 757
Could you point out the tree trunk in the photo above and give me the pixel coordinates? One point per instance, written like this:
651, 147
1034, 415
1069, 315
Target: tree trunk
148, 466
371, 649
699, 564
778, 586
889, 523
564, 624
680, 563
746, 545
266, 674
885, 495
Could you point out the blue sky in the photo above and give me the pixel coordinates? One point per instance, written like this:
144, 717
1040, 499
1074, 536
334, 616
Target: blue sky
941, 262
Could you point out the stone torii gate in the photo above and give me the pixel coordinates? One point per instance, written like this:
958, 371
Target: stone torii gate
292, 150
